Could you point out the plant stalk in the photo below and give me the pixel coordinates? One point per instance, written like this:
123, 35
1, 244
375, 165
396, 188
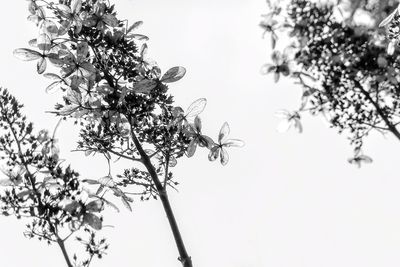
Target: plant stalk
392, 128
184, 258
64, 251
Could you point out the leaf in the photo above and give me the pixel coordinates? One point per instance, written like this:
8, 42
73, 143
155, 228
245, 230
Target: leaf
26, 54
93, 220
144, 86
173, 74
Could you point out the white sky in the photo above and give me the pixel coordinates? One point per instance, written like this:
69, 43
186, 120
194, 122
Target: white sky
284, 200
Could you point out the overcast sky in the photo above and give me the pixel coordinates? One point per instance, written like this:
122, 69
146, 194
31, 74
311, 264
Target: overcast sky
284, 200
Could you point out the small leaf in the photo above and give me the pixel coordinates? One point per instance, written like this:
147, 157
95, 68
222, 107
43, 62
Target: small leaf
174, 74
27, 54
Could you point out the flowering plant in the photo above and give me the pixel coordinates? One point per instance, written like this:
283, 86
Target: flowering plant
119, 97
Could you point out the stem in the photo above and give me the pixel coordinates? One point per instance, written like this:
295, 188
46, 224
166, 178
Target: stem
184, 258
391, 127
61, 244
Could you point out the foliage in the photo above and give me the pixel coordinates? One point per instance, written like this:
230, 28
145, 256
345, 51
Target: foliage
346, 66
37, 187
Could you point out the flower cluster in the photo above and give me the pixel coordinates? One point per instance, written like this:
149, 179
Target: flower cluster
37, 187
342, 65
109, 85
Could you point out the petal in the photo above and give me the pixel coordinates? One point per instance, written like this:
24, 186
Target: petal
276, 76
41, 65
224, 157
214, 153
276, 56
298, 126
95, 206
134, 26
110, 20
52, 86
64, 10
92, 220
283, 113
44, 42
191, 148
174, 74
223, 133
205, 141
196, 107
76, 6
197, 124
82, 50
26, 54
144, 86
234, 143
143, 50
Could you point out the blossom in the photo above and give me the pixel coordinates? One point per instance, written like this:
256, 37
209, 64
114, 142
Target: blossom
270, 25
359, 158
280, 65
218, 149
194, 131
290, 120
99, 17
183, 118
71, 14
